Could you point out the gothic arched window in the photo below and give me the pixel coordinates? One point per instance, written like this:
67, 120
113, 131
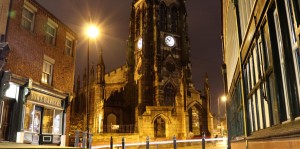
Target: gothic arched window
163, 16
174, 18
170, 93
137, 23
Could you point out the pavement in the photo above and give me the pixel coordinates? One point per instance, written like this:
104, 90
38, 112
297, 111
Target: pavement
20, 145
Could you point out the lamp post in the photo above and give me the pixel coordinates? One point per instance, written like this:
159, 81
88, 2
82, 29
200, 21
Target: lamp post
223, 98
92, 32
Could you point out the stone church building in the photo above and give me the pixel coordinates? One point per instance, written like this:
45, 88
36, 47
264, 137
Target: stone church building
153, 93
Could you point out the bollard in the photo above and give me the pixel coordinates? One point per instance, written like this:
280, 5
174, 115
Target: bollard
90, 140
147, 143
123, 143
203, 140
84, 137
111, 143
76, 138
174, 142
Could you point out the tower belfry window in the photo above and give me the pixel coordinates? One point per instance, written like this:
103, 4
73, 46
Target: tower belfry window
138, 23
163, 16
174, 16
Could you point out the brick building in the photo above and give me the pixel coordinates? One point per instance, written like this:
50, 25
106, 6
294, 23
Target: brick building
35, 82
153, 94
262, 72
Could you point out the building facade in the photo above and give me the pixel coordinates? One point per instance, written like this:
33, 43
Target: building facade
153, 94
261, 72
35, 81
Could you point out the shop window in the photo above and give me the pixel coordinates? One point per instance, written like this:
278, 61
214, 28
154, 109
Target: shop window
47, 121
28, 117
57, 122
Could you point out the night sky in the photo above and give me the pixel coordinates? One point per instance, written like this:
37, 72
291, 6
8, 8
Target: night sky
204, 23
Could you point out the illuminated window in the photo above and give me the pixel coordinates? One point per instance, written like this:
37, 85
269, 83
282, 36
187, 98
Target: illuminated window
47, 120
47, 70
28, 117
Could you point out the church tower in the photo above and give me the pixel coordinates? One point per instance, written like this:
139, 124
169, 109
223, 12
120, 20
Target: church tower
158, 56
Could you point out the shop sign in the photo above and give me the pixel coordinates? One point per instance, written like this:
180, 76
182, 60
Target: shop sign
34, 96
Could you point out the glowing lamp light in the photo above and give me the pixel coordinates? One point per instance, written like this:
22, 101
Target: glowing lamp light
92, 31
223, 98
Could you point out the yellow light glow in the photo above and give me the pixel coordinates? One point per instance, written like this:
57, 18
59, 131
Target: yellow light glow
92, 31
223, 98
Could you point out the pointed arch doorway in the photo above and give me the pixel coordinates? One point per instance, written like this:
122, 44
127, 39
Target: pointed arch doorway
159, 127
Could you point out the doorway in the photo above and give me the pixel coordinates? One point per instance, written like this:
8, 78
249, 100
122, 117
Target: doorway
5, 116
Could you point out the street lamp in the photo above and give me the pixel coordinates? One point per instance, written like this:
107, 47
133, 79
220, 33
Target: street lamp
223, 98
92, 32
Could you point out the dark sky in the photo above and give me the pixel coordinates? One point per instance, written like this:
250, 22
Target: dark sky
113, 16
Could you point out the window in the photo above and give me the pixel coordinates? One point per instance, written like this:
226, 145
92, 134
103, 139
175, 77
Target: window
163, 16
47, 121
235, 112
28, 16
47, 70
282, 63
294, 43
245, 10
28, 117
69, 45
51, 30
174, 18
170, 93
138, 23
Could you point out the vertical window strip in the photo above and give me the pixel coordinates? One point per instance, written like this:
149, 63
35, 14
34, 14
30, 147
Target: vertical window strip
250, 114
255, 112
260, 109
251, 72
266, 107
256, 65
282, 62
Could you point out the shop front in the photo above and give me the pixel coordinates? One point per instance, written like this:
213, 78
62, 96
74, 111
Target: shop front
43, 119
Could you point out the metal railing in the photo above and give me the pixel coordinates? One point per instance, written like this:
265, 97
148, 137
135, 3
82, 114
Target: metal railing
81, 139
147, 143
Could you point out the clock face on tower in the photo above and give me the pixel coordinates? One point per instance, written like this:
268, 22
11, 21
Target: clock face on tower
170, 41
140, 43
